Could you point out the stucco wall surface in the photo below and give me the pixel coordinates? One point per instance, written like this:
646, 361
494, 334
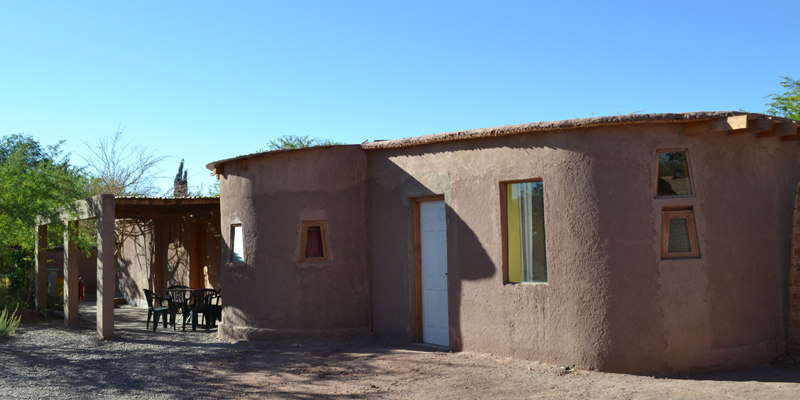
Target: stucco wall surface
135, 265
611, 302
273, 294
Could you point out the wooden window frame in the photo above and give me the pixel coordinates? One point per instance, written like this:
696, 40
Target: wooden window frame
688, 168
666, 216
233, 244
304, 238
504, 229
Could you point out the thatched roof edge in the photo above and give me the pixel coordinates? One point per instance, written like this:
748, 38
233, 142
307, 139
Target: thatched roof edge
551, 126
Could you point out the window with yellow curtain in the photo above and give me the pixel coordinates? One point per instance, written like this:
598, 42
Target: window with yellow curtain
527, 261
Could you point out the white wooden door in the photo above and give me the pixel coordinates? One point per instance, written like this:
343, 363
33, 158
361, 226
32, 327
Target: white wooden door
433, 242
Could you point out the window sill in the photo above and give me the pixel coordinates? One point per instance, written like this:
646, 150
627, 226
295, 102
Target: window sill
681, 258
310, 264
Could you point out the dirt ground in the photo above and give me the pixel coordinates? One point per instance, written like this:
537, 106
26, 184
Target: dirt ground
379, 368
366, 367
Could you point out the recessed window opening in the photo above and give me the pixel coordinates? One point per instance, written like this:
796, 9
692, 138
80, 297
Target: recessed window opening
237, 250
527, 261
673, 174
678, 234
314, 244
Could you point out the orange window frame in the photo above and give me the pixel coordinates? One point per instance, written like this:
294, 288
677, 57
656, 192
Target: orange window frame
688, 215
304, 242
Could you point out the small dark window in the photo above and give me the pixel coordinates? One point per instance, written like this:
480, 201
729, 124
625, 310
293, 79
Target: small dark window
673, 174
314, 244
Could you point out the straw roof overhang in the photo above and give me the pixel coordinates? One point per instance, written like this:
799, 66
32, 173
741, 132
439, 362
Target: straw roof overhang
213, 165
696, 123
216, 166
688, 117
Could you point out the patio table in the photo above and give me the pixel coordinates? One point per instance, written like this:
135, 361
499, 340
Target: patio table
181, 298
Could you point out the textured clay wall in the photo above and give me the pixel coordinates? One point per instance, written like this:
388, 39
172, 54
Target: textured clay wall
793, 347
563, 321
726, 309
135, 266
611, 302
273, 294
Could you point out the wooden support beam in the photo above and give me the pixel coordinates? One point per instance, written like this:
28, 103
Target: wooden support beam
785, 129
218, 170
790, 137
758, 125
726, 124
793, 138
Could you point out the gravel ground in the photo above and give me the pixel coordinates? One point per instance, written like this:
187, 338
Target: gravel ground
47, 360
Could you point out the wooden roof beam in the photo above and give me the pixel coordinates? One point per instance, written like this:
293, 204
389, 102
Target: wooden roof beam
789, 131
758, 125
726, 124
218, 170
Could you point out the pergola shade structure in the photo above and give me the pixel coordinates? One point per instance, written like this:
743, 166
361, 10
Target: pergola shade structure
106, 209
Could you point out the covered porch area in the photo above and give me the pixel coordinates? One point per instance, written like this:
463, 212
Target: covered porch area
142, 243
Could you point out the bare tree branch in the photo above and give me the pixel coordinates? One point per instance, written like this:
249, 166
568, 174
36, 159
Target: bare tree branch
122, 168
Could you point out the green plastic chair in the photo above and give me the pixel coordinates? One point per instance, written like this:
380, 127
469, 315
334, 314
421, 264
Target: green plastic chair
199, 303
156, 308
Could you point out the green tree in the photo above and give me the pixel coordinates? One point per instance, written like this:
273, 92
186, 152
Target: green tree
787, 104
35, 181
213, 190
287, 142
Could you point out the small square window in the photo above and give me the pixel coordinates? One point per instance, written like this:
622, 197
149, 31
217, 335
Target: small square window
237, 250
314, 243
527, 260
673, 174
678, 235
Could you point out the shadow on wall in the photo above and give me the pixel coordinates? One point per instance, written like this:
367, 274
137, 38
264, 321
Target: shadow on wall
393, 192
134, 237
467, 260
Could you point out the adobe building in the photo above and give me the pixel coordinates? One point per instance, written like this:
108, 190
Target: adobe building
654, 243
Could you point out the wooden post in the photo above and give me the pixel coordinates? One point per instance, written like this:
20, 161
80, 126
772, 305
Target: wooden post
70, 277
105, 266
40, 266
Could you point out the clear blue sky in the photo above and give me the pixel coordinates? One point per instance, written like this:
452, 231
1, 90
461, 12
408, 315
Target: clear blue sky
206, 80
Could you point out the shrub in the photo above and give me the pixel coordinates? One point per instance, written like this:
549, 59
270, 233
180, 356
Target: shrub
9, 322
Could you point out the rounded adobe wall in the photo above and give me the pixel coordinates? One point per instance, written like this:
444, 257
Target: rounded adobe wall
561, 321
273, 294
724, 309
611, 302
